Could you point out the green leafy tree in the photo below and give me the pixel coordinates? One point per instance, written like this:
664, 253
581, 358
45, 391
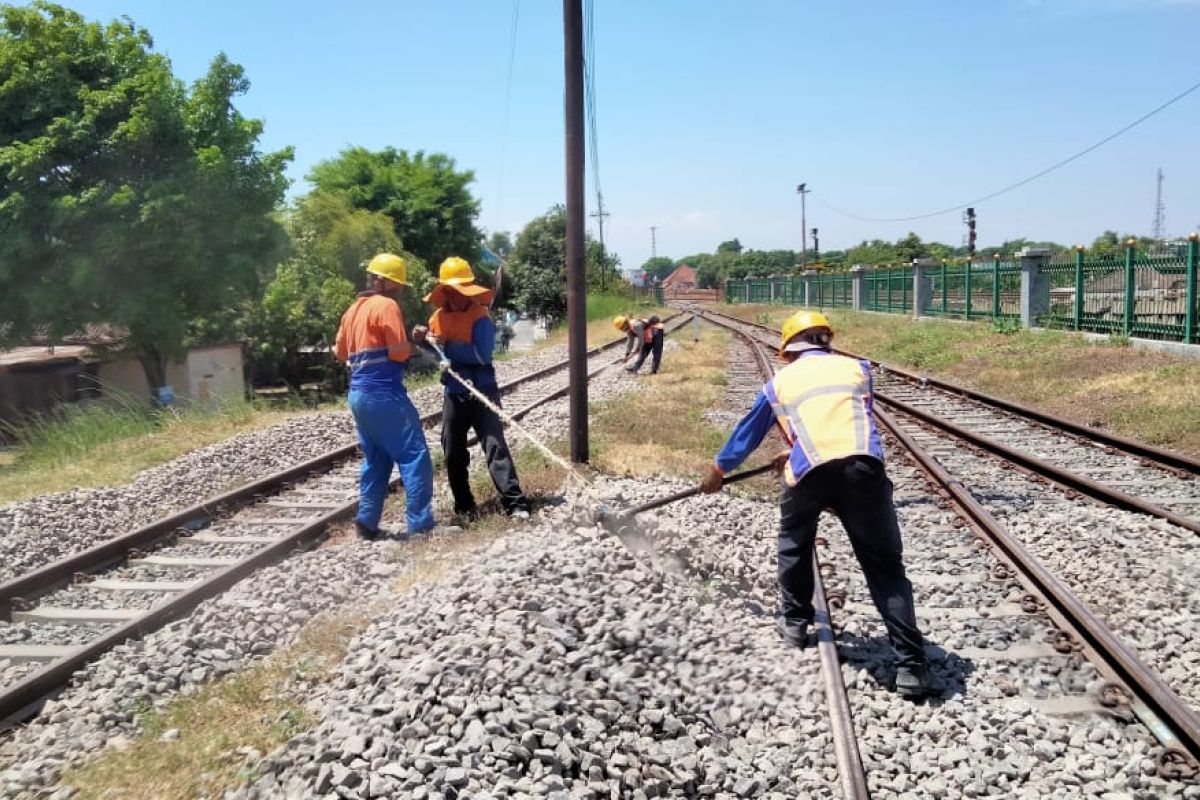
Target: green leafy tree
539, 262
730, 246
602, 267
501, 243
659, 267
304, 301
125, 198
424, 195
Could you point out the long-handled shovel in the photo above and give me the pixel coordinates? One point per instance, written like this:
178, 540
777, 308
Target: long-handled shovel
621, 523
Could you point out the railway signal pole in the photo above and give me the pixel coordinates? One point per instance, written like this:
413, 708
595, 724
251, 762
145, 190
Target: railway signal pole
816, 248
970, 220
576, 291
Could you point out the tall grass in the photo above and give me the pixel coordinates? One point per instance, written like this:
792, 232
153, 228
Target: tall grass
606, 306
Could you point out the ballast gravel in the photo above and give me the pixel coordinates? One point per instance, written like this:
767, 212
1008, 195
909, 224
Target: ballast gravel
558, 664
102, 705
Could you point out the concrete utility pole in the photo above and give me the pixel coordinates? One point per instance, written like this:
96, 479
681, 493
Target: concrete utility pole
576, 283
600, 214
800, 190
816, 247
970, 220
653, 242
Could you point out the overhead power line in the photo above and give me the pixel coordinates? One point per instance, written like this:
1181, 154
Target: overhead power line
1023, 181
512, 57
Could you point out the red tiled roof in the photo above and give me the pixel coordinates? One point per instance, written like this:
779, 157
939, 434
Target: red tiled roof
682, 274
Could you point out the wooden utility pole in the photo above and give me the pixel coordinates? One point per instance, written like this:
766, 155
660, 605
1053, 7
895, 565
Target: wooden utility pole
576, 282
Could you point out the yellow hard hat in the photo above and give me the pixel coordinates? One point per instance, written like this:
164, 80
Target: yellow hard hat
800, 322
455, 271
619, 323
390, 266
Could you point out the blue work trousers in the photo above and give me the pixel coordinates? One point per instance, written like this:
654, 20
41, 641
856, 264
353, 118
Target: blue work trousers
389, 432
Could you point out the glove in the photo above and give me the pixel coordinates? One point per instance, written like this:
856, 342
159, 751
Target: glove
712, 481
444, 364
780, 461
419, 333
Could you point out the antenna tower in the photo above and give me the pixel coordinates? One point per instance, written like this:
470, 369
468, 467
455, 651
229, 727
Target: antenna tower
1160, 213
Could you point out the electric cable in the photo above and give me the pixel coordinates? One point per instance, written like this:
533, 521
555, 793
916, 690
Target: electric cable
512, 57
1023, 181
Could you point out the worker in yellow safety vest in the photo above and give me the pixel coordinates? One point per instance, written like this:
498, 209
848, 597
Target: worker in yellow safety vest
823, 402
463, 328
647, 334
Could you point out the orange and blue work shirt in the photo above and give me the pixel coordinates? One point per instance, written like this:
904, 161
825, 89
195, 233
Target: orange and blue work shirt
823, 402
468, 339
371, 340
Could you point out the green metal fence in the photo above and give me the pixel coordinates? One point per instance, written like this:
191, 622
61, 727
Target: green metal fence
1150, 294
1146, 294
888, 290
974, 291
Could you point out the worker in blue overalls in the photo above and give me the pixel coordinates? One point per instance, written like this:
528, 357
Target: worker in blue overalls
823, 403
371, 340
463, 328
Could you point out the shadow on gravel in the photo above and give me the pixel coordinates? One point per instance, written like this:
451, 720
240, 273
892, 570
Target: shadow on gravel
873, 655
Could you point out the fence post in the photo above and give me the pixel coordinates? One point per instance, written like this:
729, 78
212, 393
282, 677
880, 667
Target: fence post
858, 287
967, 290
945, 290
1078, 287
1130, 288
808, 277
922, 285
1035, 285
995, 286
1189, 316
728, 294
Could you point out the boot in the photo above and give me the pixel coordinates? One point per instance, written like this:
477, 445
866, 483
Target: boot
793, 631
917, 681
370, 534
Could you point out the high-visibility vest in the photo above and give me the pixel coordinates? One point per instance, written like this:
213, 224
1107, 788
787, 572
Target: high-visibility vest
456, 326
648, 329
371, 340
824, 402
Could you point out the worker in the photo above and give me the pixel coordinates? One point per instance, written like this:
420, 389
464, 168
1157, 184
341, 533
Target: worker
371, 340
648, 333
464, 330
823, 403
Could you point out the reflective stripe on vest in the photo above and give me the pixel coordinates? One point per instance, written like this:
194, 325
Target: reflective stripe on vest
824, 403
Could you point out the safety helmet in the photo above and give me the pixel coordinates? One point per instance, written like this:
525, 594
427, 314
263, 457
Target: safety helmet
619, 323
800, 322
390, 266
455, 271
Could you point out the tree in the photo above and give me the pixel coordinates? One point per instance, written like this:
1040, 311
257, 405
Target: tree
125, 198
424, 195
731, 246
303, 304
500, 243
658, 267
539, 264
601, 267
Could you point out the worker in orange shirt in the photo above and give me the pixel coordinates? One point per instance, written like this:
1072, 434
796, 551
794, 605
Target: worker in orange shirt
462, 326
371, 340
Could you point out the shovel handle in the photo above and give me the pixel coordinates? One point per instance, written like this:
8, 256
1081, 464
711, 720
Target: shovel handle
671, 498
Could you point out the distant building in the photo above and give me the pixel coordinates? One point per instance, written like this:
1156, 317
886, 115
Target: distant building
36, 379
683, 279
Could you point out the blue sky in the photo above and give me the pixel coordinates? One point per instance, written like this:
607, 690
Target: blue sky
709, 113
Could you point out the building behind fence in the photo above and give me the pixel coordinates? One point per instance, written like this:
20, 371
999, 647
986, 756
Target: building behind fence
1145, 294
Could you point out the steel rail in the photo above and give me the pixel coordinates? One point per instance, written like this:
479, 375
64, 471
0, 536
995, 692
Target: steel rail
59, 573
21, 700
852, 773
1166, 705
1172, 721
1064, 477
1158, 455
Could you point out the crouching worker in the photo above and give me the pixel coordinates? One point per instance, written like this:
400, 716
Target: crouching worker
371, 341
645, 333
464, 330
823, 403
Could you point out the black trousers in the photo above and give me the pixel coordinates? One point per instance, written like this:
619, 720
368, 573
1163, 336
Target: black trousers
655, 345
858, 490
462, 413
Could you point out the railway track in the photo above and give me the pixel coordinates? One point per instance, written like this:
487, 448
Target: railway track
1033, 636
65, 614
1115, 470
